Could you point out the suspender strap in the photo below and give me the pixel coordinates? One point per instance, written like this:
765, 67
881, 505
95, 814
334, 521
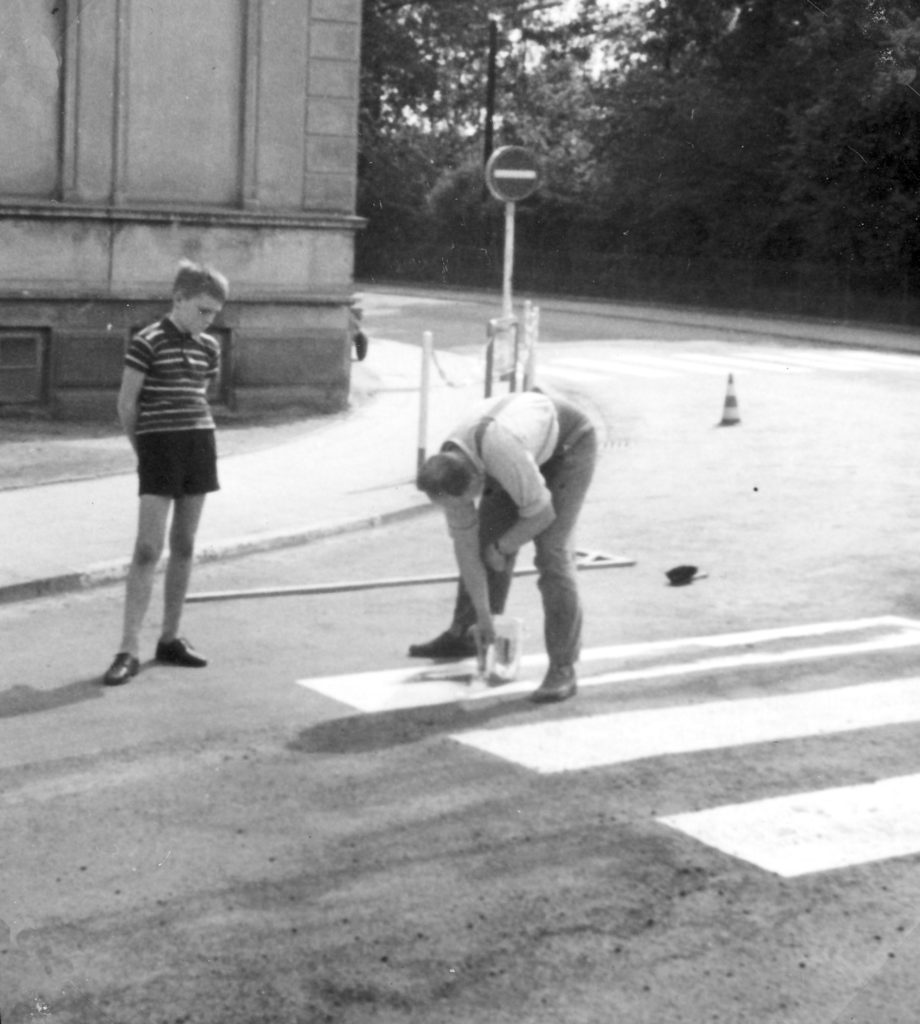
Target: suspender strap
573, 425
483, 425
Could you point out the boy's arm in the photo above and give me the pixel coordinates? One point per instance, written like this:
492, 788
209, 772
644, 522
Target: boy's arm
213, 375
131, 383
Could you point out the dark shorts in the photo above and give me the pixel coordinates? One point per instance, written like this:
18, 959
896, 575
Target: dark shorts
174, 464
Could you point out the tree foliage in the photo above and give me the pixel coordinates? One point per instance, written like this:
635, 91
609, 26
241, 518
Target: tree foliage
418, 109
754, 129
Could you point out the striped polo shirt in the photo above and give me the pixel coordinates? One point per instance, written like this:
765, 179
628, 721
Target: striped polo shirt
177, 369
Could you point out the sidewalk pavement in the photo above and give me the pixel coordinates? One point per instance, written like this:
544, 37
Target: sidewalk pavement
353, 471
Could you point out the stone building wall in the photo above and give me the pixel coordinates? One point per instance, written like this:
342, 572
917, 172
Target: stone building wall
136, 132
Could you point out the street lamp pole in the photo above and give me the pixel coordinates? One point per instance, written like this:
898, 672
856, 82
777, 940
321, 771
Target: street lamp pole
512, 7
490, 89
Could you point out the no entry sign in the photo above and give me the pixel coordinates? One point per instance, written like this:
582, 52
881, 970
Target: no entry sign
512, 174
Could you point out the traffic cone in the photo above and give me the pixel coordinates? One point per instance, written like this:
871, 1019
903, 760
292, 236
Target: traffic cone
730, 415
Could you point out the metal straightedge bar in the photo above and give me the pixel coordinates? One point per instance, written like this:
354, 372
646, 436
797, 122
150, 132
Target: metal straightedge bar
583, 559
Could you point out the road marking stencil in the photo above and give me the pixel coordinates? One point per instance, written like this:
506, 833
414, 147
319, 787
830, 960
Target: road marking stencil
818, 831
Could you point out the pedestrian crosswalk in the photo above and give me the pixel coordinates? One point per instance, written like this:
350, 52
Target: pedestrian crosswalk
805, 833
789, 835
655, 362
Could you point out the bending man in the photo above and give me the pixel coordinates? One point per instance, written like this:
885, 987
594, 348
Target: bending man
517, 471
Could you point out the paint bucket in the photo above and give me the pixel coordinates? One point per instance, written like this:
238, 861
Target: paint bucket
507, 649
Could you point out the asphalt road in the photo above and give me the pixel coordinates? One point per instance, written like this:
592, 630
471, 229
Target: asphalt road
234, 845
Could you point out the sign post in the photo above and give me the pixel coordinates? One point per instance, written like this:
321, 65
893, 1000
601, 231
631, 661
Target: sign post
427, 346
531, 333
512, 174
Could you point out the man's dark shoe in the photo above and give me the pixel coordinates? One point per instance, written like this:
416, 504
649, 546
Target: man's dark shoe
558, 684
179, 652
122, 669
446, 646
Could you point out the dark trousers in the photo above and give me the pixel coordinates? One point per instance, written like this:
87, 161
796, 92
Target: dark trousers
568, 475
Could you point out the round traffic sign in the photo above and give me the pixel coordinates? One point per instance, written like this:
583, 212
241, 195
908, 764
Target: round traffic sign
512, 174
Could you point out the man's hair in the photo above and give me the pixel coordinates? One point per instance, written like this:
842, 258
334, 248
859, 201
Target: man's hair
447, 473
197, 279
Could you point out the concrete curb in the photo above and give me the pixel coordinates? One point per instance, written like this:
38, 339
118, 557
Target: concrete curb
106, 573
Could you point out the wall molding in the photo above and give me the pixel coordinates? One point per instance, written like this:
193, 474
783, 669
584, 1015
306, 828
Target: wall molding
249, 142
13, 209
69, 100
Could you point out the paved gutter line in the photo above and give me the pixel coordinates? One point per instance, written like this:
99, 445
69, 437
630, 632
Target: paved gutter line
105, 573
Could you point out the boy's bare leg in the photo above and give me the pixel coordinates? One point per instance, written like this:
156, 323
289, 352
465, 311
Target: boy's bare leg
186, 516
151, 531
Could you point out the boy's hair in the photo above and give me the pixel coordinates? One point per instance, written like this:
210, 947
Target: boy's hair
197, 279
447, 473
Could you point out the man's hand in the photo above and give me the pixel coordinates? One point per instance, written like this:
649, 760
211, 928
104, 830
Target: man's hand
494, 559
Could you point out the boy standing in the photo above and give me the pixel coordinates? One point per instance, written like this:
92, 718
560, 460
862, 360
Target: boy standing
164, 410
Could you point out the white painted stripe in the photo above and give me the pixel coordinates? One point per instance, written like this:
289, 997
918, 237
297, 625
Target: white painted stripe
890, 361
618, 359
665, 364
848, 361
756, 353
794, 363
786, 360
582, 375
836, 365
807, 358
575, 744
810, 360
753, 636
818, 831
514, 175
671, 365
854, 355
755, 660
561, 370
408, 687
588, 369
736, 361
614, 360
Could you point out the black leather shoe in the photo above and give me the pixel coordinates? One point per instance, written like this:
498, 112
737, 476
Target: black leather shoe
122, 669
179, 652
558, 684
446, 646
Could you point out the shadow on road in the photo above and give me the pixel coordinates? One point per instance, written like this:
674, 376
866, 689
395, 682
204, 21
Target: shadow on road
364, 733
25, 700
